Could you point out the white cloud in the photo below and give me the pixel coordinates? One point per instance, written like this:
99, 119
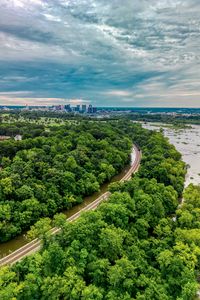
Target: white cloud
102, 49
10, 94
12, 99
52, 18
118, 93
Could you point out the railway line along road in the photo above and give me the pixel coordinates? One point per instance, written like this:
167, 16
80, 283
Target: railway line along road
35, 245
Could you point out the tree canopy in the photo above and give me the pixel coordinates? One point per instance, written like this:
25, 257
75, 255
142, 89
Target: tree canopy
46, 174
131, 247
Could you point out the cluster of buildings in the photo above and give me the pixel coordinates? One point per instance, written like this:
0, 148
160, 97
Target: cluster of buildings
85, 109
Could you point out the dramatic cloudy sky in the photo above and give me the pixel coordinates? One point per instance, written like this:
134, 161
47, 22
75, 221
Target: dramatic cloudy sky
109, 52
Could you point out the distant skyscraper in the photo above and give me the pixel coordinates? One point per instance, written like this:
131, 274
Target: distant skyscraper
84, 107
90, 110
68, 108
94, 110
77, 108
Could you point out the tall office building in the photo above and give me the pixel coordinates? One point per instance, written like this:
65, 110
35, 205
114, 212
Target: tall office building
90, 110
77, 108
68, 107
94, 110
84, 107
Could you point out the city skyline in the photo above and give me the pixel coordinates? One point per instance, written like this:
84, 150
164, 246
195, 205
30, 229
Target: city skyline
139, 54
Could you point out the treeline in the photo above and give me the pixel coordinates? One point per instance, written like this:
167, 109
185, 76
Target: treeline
131, 247
45, 175
35, 115
176, 120
25, 129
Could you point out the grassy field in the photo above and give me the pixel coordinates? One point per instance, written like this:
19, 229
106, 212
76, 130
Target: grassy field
6, 118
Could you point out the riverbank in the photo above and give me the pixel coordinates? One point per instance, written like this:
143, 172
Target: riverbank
187, 142
10, 256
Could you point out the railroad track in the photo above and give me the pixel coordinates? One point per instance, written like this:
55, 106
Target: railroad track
35, 245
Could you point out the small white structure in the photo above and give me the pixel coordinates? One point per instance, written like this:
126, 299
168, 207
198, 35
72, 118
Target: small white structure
18, 137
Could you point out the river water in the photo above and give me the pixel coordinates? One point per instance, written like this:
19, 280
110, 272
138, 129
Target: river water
12, 245
187, 142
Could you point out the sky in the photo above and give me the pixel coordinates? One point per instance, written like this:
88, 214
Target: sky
130, 53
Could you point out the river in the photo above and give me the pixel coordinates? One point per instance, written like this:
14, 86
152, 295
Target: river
187, 142
12, 245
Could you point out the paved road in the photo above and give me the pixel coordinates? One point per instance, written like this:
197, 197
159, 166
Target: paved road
35, 245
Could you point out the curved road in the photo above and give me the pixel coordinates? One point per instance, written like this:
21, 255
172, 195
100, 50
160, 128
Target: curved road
35, 245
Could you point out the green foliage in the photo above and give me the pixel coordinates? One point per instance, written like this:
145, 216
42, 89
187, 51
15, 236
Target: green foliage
178, 121
40, 228
162, 162
50, 172
130, 247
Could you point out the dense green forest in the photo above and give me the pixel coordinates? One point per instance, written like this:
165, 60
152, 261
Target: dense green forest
141, 244
176, 120
27, 130
45, 174
41, 117
17, 115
